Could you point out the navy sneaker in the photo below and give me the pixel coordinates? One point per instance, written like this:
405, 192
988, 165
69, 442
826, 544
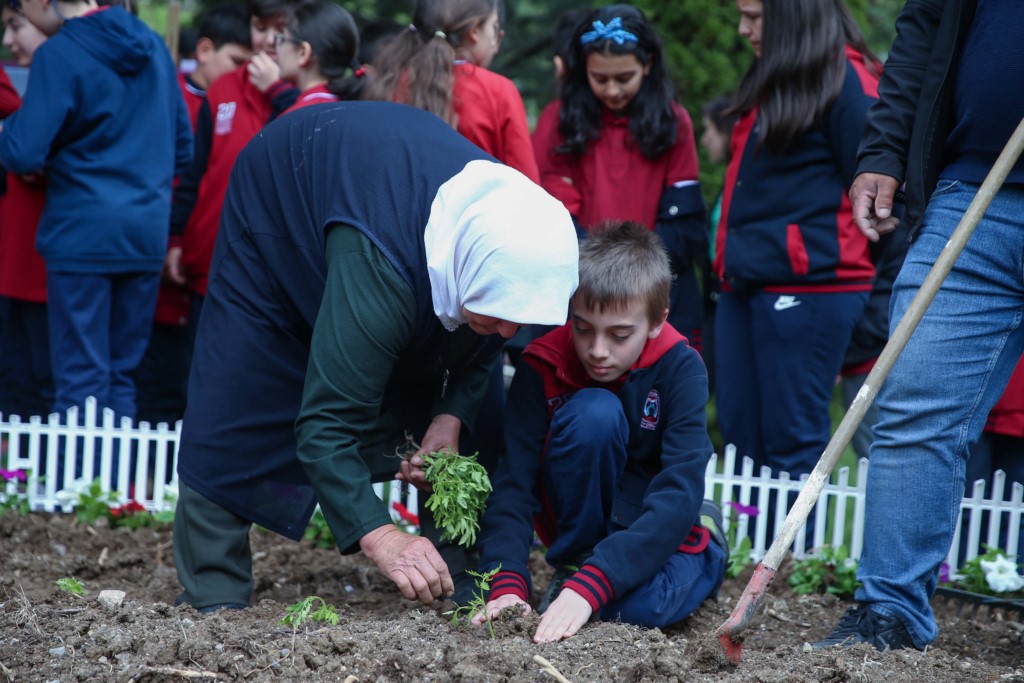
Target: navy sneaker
865, 625
561, 575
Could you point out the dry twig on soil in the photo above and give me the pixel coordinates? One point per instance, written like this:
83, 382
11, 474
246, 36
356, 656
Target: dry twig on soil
187, 674
548, 668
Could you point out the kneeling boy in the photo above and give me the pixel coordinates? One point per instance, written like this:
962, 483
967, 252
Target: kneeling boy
606, 449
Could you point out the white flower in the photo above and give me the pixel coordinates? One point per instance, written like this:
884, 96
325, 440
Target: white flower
1001, 574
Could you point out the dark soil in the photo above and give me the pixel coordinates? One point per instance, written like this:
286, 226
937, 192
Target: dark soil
50, 635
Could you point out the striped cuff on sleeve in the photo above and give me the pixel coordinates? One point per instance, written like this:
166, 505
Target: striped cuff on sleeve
593, 585
509, 583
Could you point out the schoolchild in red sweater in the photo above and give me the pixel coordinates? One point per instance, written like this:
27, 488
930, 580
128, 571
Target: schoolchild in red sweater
26, 383
223, 44
607, 444
615, 146
796, 272
237, 106
316, 52
441, 64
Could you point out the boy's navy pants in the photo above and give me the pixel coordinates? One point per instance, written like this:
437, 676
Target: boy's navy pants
586, 457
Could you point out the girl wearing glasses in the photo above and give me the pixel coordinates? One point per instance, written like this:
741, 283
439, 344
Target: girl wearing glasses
316, 51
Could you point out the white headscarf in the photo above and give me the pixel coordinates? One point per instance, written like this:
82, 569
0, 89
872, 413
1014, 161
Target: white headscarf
500, 246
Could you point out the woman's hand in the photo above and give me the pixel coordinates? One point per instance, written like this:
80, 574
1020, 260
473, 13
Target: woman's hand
442, 433
410, 561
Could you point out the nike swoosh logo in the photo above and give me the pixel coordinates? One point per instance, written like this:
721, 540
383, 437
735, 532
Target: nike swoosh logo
782, 305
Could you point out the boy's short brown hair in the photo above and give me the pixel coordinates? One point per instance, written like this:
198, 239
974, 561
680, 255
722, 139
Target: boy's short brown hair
622, 262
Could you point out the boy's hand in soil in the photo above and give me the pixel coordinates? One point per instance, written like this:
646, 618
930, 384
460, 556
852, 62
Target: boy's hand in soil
410, 561
442, 433
564, 617
495, 607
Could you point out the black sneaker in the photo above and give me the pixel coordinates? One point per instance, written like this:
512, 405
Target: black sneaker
561, 575
865, 625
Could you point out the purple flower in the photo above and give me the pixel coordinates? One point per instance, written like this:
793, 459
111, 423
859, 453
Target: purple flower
944, 573
19, 475
749, 510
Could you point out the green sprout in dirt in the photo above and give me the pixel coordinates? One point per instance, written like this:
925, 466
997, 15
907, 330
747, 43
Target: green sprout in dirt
830, 571
479, 602
297, 614
461, 487
70, 584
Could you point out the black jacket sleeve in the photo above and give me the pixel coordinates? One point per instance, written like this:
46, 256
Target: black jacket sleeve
187, 190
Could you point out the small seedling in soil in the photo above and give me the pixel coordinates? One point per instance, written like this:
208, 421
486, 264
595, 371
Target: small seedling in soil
478, 603
461, 487
70, 584
297, 614
830, 571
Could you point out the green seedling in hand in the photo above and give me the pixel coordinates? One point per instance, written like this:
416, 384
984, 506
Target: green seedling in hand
461, 487
478, 603
71, 585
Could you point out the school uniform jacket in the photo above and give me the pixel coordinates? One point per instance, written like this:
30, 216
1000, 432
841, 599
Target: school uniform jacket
104, 119
787, 224
659, 494
194, 97
613, 180
492, 116
234, 111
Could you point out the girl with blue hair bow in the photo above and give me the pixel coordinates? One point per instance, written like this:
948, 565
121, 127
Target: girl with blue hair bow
616, 146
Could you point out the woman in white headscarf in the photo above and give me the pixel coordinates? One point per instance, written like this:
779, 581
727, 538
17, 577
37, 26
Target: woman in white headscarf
370, 260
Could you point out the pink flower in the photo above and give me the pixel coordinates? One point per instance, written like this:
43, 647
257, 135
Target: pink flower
742, 509
404, 513
18, 475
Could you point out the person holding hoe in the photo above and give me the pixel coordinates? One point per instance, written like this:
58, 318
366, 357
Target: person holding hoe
369, 262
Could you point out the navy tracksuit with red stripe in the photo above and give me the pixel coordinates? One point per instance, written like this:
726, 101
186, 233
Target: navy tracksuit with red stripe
611, 476
796, 275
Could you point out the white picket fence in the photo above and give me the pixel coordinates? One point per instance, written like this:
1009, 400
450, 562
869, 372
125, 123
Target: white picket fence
146, 459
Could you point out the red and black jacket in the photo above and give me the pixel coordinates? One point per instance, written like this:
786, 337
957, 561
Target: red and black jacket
667, 457
786, 223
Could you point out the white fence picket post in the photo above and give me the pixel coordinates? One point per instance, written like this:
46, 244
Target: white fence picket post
152, 453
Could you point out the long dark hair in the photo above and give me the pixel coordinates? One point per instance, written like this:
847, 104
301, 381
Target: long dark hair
332, 34
652, 122
802, 66
417, 67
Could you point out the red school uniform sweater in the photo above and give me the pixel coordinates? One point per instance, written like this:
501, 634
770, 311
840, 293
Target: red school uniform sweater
22, 270
492, 116
237, 110
612, 180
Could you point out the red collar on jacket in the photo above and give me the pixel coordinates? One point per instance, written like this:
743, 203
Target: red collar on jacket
555, 350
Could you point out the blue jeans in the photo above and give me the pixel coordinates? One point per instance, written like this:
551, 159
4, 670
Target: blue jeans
937, 397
